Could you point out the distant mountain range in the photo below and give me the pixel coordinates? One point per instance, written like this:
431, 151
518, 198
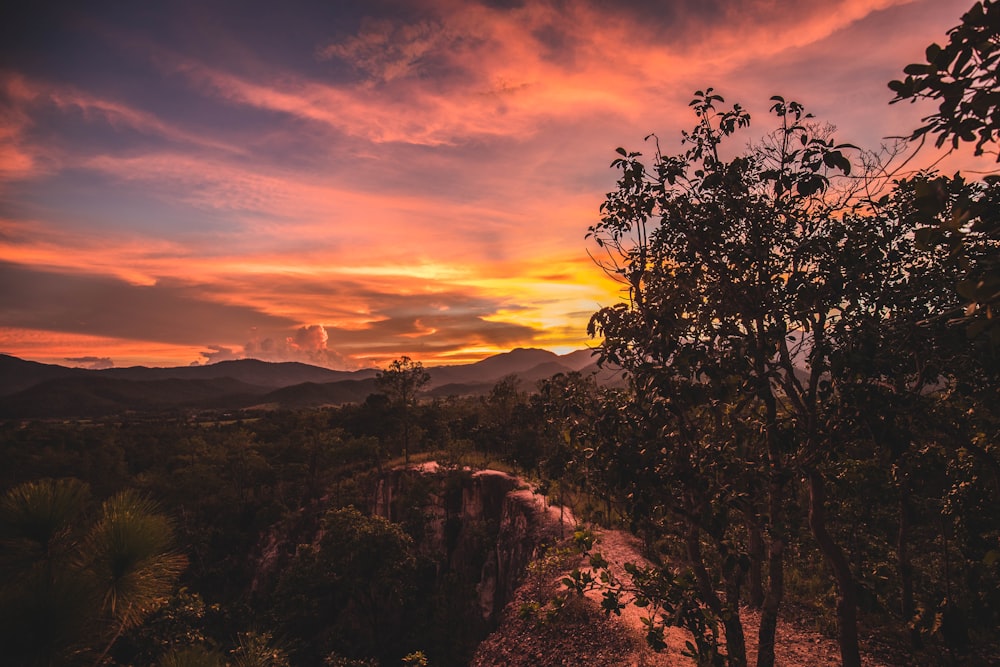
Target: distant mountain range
33, 390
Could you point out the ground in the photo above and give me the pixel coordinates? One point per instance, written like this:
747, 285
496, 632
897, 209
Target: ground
795, 646
533, 634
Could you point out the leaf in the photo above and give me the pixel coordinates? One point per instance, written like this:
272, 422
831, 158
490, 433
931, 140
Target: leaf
927, 237
968, 289
977, 328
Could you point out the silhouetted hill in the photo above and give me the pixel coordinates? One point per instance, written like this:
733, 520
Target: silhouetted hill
312, 394
17, 374
34, 390
579, 360
519, 362
100, 396
251, 371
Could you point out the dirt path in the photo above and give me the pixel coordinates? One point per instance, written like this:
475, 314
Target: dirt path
794, 646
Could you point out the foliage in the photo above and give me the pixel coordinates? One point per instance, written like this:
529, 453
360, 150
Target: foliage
962, 77
334, 660
402, 382
732, 270
70, 588
192, 656
242, 491
258, 649
355, 582
179, 624
417, 659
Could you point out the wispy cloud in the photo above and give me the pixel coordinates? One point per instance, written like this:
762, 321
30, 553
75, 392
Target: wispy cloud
415, 182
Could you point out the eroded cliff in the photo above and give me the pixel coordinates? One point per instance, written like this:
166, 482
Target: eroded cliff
484, 526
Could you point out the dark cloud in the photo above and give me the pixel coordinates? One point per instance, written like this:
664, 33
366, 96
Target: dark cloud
557, 43
218, 353
178, 313
104, 306
431, 323
420, 323
93, 363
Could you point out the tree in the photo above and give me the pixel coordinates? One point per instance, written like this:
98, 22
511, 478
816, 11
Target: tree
501, 405
69, 586
737, 290
45, 605
402, 382
964, 78
347, 592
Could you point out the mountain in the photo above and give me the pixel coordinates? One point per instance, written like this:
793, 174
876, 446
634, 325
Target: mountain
313, 395
251, 371
17, 374
102, 396
521, 362
33, 390
579, 360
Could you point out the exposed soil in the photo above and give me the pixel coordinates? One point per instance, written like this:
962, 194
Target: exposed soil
794, 646
531, 634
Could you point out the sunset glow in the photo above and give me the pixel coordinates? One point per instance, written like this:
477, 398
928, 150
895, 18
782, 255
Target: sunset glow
342, 183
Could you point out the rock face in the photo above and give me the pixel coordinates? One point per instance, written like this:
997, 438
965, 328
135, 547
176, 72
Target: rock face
484, 526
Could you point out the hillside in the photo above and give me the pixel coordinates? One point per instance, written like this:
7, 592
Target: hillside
100, 396
582, 634
32, 390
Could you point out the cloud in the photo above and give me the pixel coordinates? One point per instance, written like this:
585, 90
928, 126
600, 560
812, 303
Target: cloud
170, 312
92, 363
307, 344
384, 50
415, 182
216, 354
26, 150
430, 325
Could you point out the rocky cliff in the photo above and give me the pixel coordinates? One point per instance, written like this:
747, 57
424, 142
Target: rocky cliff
485, 525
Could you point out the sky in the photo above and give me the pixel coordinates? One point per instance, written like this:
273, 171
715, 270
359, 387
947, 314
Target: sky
342, 183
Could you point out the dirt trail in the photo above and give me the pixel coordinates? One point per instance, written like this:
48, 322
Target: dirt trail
794, 646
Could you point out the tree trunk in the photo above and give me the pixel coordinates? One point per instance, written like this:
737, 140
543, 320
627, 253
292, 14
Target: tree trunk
776, 501
847, 599
406, 435
756, 573
775, 574
735, 643
905, 566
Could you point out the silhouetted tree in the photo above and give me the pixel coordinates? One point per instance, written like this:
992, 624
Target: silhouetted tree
402, 382
740, 290
963, 77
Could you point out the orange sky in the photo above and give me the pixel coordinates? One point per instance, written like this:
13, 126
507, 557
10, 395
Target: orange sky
343, 183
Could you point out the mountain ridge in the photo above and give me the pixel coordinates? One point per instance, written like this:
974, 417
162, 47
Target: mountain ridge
31, 389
